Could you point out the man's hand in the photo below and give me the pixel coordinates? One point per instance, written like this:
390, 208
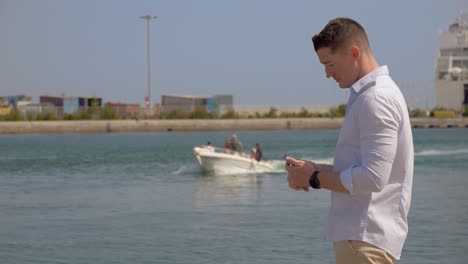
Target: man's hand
299, 172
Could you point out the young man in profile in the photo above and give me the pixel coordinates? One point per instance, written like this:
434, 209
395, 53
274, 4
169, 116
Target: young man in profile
371, 178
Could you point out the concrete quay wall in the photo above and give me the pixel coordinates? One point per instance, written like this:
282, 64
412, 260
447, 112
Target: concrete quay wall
107, 126
439, 122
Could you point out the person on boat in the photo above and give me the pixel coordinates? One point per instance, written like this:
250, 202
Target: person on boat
209, 146
253, 153
236, 145
227, 146
258, 152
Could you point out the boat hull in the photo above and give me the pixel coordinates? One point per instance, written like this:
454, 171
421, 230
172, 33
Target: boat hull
223, 163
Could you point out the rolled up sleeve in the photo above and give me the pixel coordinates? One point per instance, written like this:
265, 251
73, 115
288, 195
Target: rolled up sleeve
347, 180
379, 123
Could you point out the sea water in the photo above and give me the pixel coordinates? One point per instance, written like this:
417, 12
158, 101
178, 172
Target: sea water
141, 198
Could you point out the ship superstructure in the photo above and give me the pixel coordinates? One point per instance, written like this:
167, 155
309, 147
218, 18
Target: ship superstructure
451, 82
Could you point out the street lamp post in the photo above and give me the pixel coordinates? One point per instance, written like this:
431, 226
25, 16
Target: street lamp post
148, 19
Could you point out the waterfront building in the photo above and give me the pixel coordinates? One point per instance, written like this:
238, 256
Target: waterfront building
13, 102
215, 104
71, 104
123, 110
451, 78
32, 111
16, 101
5, 109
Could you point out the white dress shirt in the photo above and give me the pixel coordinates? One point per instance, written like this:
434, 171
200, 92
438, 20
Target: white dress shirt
374, 155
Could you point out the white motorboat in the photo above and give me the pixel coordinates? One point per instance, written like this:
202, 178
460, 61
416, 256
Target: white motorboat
214, 160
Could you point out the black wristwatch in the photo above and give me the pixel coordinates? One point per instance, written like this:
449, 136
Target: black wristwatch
314, 181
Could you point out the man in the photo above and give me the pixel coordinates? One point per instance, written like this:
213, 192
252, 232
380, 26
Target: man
371, 178
258, 152
236, 145
209, 147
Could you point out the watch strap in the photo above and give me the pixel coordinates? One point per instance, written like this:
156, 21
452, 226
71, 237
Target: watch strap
314, 181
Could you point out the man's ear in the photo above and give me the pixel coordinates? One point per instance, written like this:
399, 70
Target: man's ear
356, 52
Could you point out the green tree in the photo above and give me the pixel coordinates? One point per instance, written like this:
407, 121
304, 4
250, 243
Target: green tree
304, 113
94, 111
86, 115
417, 113
272, 113
14, 115
342, 110
50, 116
200, 112
175, 114
231, 114
108, 113
69, 117
287, 114
339, 111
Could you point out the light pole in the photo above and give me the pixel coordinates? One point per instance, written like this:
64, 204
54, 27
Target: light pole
148, 19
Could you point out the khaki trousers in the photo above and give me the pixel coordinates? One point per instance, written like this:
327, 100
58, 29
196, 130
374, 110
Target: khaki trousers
360, 252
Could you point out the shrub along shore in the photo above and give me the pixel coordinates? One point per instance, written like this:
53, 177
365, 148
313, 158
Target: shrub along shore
160, 125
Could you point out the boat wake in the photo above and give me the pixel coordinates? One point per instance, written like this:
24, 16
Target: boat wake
186, 169
434, 152
278, 165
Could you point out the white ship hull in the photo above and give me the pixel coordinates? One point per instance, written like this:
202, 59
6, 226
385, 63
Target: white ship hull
224, 163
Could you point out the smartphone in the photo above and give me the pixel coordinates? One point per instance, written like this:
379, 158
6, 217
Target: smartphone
289, 164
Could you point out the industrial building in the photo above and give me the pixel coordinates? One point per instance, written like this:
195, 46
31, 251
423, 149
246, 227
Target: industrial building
71, 104
451, 78
34, 110
215, 104
123, 110
13, 102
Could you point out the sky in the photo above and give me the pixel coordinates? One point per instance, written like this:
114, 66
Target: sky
259, 51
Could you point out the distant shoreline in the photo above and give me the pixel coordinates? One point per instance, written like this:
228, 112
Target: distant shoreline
111, 126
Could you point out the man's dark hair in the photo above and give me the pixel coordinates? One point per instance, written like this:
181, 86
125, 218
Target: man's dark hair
338, 33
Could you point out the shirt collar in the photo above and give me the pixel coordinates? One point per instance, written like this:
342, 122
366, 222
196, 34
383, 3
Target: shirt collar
370, 77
